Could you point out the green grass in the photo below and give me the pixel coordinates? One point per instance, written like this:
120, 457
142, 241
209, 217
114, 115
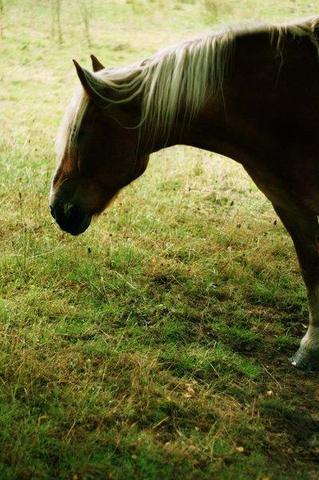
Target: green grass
156, 345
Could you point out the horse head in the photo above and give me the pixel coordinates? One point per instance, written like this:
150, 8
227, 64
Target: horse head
98, 149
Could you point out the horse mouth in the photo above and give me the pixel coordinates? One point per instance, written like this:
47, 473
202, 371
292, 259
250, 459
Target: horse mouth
78, 229
71, 220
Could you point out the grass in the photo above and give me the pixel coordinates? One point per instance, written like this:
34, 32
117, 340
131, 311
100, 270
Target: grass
156, 345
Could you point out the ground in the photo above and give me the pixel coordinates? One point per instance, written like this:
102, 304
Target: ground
156, 345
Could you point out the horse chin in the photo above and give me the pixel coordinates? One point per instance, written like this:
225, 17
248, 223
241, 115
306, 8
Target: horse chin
81, 227
76, 228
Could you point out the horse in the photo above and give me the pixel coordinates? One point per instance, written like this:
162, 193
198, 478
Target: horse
248, 93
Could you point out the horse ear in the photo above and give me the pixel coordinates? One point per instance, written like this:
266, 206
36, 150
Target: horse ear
96, 64
93, 85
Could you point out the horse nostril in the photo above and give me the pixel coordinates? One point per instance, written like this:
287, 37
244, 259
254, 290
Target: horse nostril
72, 212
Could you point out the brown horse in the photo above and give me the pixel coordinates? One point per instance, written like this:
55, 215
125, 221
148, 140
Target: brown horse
250, 94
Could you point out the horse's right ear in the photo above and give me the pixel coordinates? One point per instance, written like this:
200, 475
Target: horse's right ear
94, 86
96, 64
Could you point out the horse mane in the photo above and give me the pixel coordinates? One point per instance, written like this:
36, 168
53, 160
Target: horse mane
173, 82
305, 28
177, 80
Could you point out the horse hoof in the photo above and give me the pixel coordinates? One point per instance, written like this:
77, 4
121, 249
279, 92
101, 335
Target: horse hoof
306, 359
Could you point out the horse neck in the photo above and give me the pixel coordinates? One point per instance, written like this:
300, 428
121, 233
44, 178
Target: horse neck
196, 132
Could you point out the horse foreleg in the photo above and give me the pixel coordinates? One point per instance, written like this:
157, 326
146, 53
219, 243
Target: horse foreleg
304, 231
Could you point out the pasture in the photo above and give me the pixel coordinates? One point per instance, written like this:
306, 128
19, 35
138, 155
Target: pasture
156, 345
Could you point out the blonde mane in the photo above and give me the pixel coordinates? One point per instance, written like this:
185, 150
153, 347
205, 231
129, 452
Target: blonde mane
176, 81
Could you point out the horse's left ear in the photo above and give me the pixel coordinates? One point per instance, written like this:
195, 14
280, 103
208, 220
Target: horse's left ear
93, 85
96, 64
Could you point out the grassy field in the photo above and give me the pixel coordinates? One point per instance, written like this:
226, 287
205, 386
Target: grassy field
156, 345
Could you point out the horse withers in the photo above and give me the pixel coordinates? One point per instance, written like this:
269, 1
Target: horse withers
250, 94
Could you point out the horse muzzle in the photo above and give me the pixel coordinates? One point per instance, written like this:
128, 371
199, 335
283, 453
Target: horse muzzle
70, 217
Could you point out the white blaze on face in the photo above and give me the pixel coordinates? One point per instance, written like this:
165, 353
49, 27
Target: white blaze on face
68, 128
71, 120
